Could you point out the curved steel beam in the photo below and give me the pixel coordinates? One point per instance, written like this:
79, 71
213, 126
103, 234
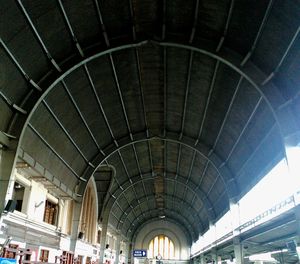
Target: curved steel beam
250, 76
218, 164
180, 179
136, 230
176, 216
145, 199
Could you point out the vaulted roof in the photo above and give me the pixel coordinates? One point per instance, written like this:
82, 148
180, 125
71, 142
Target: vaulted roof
190, 102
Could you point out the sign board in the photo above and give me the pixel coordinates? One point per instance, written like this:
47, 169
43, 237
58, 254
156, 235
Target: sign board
140, 253
7, 261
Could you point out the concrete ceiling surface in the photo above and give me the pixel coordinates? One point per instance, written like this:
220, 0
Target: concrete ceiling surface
189, 101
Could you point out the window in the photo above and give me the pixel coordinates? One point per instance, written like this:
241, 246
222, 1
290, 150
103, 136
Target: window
50, 213
18, 195
44, 255
161, 246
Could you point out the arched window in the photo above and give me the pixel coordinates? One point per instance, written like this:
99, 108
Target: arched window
162, 246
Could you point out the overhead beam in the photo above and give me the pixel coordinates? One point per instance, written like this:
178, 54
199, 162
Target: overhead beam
145, 199
154, 219
177, 216
180, 180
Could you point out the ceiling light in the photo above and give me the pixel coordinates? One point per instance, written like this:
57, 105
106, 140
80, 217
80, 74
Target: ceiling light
162, 216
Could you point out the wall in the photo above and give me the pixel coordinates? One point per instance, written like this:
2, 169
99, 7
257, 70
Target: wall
149, 231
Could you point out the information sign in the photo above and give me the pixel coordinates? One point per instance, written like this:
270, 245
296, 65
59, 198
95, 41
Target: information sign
140, 253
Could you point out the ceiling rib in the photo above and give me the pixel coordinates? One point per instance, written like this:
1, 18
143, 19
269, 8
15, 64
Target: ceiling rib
100, 104
222, 39
165, 90
242, 132
136, 179
261, 27
186, 94
272, 74
71, 31
12, 105
37, 35
237, 87
256, 149
215, 166
139, 167
25, 75
66, 133
132, 20
142, 90
195, 22
154, 219
55, 152
182, 221
178, 200
120, 94
128, 176
103, 29
190, 172
212, 84
81, 116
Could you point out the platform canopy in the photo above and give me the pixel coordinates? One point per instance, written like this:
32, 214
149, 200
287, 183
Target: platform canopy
181, 106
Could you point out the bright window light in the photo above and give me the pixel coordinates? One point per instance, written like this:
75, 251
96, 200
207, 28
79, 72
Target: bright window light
276, 186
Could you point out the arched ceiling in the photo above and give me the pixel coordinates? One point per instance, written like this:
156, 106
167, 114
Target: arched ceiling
189, 101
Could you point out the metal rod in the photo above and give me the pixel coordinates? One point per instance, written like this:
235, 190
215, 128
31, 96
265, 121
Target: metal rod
195, 22
186, 93
165, 91
227, 113
55, 152
81, 116
256, 149
141, 90
65, 131
102, 23
222, 39
283, 57
132, 20
120, 94
32, 82
208, 100
70, 28
261, 27
37, 35
99, 103
190, 172
163, 30
242, 132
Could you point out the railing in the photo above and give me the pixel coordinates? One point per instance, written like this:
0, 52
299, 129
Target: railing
276, 210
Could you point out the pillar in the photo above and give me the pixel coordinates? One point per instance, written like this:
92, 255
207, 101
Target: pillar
238, 251
103, 235
202, 259
75, 225
214, 255
8, 150
118, 247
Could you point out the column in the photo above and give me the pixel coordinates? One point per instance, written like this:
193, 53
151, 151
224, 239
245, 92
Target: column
75, 225
297, 213
202, 259
7, 161
238, 251
214, 255
104, 226
118, 246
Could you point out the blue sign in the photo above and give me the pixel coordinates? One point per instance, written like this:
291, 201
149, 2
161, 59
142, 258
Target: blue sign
7, 261
140, 253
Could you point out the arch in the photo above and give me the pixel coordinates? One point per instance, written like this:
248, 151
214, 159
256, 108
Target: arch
180, 179
175, 215
169, 220
144, 199
229, 61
